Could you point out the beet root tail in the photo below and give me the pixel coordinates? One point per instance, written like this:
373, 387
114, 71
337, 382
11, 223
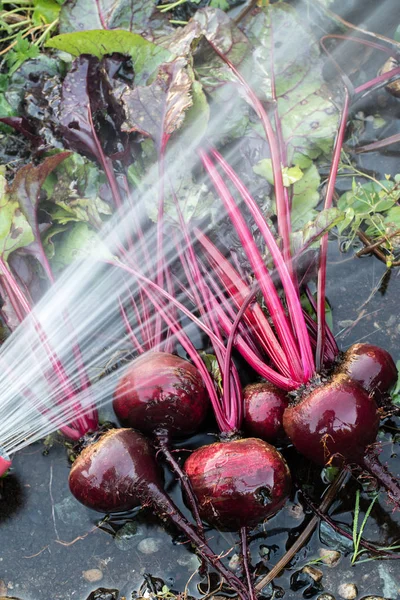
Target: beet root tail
385, 478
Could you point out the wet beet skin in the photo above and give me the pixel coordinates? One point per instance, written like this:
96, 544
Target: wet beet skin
264, 405
114, 474
371, 366
238, 483
161, 391
334, 422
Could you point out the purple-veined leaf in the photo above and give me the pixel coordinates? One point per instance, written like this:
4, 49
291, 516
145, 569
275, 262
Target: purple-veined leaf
25, 193
157, 110
75, 111
307, 115
81, 15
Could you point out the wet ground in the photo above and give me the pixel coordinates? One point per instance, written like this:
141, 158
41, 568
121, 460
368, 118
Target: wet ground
53, 548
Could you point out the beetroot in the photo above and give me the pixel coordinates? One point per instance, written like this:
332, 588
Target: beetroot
119, 472
371, 366
334, 422
161, 391
114, 474
264, 405
238, 483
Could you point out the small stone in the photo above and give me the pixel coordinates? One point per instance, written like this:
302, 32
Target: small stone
373, 598
296, 511
3, 588
264, 551
125, 538
326, 596
348, 591
189, 561
234, 562
315, 574
329, 557
93, 575
150, 545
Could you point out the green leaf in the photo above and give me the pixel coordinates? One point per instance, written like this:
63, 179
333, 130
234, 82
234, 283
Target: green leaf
323, 222
22, 51
289, 174
308, 117
222, 4
305, 198
393, 217
372, 197
45, 11
72, 192
15, 231
396, 390
81, 15
6, 109
146, 56
197, 116
349, 216
312, 232
47, 239
75, 176
223, 33
212, 367
194, 200
3, 82
330, 473
80, 209
77, 243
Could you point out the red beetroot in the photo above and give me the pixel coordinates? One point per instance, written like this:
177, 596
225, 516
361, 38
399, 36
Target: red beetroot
371, 366
114, 474
119, 472
264, 405
238, 483
335, 422
161, 391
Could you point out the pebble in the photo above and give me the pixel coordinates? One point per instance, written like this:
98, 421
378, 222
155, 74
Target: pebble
125, 538
296, 511
190, 561
326, 596
373, 598
93, 575
150, 545
315, 574
329, 557
3, 588
348, 591
234, 562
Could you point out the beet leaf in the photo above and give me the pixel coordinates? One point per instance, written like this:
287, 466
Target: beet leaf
79, 15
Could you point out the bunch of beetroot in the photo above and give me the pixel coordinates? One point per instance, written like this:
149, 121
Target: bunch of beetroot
323, 402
